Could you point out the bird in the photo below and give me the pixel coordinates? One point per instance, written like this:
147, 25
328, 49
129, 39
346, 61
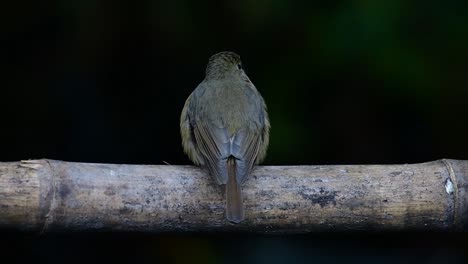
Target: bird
224, 127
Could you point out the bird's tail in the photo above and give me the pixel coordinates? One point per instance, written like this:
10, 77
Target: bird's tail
234, 204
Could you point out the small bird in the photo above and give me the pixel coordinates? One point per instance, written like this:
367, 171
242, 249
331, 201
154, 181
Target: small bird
225, 128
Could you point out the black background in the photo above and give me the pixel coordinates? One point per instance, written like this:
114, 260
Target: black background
346, 82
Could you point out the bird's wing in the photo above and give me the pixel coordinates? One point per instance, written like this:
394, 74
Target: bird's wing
214, 144
245, 147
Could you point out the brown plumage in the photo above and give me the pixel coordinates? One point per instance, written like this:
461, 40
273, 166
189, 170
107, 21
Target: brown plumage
224, 127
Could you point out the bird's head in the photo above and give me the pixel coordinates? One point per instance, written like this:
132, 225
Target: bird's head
224, 65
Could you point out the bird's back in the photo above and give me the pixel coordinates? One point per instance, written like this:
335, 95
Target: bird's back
231, 105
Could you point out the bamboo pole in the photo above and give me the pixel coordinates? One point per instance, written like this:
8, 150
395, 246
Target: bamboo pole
50, 195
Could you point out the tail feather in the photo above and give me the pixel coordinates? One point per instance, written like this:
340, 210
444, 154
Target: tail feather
234, 204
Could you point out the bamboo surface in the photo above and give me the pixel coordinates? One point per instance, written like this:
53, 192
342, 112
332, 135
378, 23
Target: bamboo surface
49, 195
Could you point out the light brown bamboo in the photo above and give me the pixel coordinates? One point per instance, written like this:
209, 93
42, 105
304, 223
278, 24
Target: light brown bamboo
50, 195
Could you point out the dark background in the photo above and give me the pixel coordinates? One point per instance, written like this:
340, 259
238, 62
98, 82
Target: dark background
346, 82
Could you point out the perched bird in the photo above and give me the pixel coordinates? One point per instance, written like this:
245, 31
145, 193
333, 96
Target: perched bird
225, 128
